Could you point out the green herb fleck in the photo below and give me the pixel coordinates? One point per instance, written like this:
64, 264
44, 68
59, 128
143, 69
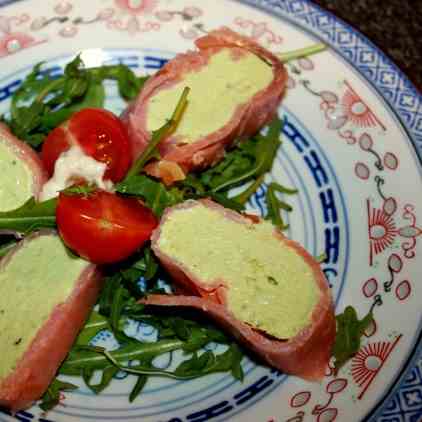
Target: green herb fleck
52, 396
30, 216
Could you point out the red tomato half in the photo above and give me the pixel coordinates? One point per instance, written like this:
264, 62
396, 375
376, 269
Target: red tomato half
99, 133
103, 227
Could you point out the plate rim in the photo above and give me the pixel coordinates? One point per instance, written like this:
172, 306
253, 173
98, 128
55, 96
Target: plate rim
404, 83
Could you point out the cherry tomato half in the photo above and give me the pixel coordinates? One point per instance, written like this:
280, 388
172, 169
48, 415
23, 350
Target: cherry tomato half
103, 227
99, 133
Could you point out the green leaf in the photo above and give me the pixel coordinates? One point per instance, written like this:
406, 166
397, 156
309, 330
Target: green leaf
252, 159
85, 190
128, 83
93, 326
120, 297
52, 396
106, 377
207, 363
237, 356
156, 196
107, 293
137, 389
80, 358
158, 135
30, 216
302, 52
244, 196
151, 264
94, 98
74, 69
348, 338
27, 118
43, 102
275, 205
196, 339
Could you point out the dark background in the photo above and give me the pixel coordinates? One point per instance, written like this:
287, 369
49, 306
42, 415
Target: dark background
394, 25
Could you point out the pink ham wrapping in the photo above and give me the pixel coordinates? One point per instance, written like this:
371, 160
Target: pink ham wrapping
28, 156
38, 366
178, 158
305, 355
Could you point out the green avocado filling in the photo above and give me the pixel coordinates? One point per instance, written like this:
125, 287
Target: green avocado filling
39, 276
18, 188
216, 90
269, 285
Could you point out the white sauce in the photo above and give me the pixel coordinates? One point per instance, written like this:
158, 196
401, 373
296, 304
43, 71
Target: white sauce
71, 165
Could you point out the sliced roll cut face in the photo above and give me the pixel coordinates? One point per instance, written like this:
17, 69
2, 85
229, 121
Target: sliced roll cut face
261, 281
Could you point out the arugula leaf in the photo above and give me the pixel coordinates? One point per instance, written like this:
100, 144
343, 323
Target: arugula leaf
156, 196
83, 189
275, 205
52, 396
208, 363
106, 377
349, 332
43, 102
253, 158
244, 196
93, 326
158, 135
137, 389
30, 216
302, 52
98, 359
128, 83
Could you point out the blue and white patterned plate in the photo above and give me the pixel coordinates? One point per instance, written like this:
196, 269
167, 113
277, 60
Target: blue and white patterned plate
352, 145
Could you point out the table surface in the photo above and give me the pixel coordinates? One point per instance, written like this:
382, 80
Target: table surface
393, 25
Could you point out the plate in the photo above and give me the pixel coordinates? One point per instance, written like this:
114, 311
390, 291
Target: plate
352, 144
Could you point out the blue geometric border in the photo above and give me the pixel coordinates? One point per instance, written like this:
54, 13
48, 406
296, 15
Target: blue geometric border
403, 401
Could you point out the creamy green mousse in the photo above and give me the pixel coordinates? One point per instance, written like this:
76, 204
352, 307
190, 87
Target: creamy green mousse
216, 91
40, 275
269, 285
16, 179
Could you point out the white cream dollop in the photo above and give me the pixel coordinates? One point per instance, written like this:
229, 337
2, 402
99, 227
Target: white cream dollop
72, 165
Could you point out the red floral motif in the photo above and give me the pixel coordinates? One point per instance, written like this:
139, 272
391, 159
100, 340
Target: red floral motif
187, 14
63, 7
69, 24
381, 231
321, 412
324, 412
13, 40
403, 290
129, 16
133, 25
300, 399
369, 361
410, 231
357, 111
370, 287
297, 418
260, 32
137, 7
382, 228
371, 329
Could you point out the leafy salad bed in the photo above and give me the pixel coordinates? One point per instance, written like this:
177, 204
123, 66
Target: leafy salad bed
43, 103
